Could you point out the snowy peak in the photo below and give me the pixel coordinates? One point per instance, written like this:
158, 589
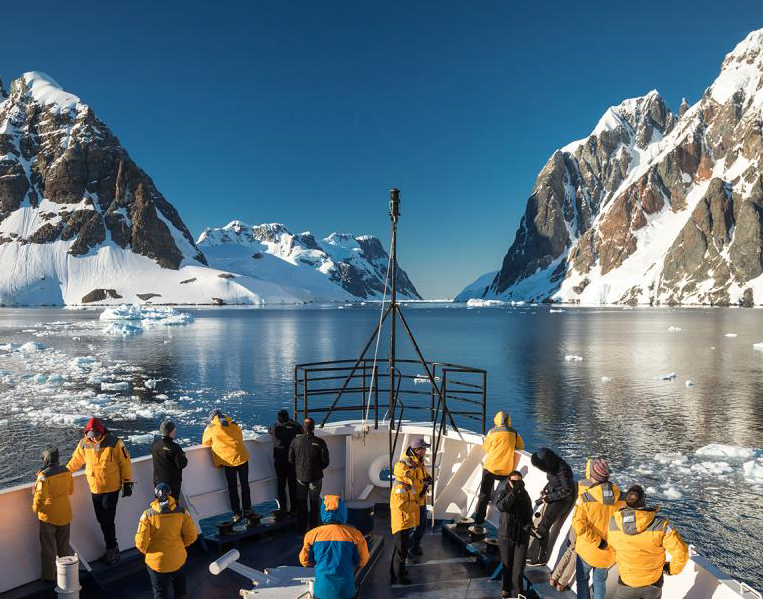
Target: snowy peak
357, 265
741, 71
651, 208
45, 90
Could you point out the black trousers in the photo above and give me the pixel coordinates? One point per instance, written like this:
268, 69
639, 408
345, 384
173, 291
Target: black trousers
308, 490
652, 591
285, 474
513, 559
400, 548
548, 527
163, 583
242, 473
486, 490
54, 542
105, 505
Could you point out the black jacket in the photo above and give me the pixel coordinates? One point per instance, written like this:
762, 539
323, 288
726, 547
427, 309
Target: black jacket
516, 513
283, 434
309, 456
561, 484
169, 461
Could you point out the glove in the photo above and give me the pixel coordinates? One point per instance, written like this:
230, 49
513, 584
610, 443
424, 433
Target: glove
666, 568
603, 544
127, 489
518, 484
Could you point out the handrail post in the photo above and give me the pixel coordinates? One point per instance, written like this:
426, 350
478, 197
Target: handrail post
296, 391
376, 396
484, 402
304, 391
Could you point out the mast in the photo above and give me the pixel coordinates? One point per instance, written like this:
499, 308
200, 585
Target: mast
394, 214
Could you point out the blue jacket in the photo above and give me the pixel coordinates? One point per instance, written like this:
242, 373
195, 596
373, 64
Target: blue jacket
334, 549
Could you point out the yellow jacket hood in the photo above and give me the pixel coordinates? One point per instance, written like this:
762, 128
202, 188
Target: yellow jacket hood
502, 419
634, 521
403, 473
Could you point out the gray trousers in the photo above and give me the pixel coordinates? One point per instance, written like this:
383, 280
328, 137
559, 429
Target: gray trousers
651, 591
54, 541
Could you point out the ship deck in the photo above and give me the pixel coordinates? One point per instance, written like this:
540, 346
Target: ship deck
447, 570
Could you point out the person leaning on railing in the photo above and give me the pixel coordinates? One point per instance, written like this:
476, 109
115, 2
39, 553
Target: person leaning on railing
51, 503
224, 437
107, 469
640, 536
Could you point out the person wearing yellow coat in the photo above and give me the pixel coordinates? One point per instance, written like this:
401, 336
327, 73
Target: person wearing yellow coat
226, 441
597, 503
51, 504
164, 531
640, 536
422, 480
500, 445
404, 516
107, 469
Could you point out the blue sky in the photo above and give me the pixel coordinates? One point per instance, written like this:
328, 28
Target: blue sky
307, 112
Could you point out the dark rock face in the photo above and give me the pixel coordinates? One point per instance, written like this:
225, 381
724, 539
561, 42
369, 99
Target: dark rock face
63, 154
653, 207
98, 295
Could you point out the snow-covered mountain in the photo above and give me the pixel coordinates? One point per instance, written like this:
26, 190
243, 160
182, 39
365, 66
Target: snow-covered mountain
338, 268
652, 207
80, 222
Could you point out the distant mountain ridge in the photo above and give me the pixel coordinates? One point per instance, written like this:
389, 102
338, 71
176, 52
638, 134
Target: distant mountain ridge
653, 207
81, 223
339, 267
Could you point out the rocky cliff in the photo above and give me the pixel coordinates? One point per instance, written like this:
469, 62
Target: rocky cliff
653, 207
80, 222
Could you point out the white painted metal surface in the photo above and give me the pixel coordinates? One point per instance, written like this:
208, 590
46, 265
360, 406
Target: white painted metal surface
459, 471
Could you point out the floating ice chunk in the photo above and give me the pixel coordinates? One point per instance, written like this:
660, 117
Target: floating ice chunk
141, 439
83, 361
9, 346
519, 303
162, 396
32, 346
155, 314
674, 329
118, 386
758, 346
718, 450
151, 383
477, 302
123, 329
606, 379
715, 468
667, 377
40, 378
675, 459
753, 471
672, 493
689, 383
573, 358
554, 311
730, 335
651, 490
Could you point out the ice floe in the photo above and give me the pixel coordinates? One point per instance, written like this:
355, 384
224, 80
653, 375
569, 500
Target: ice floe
573, 358
606, 379
731, 335
753, 471
672, 493
116, 386
719, 450
477, 302
667, 377
689, 383
31, 346
674, 329
758, 346
122, 328
555, 311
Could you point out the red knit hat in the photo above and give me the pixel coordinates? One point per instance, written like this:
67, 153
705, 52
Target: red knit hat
599, 470
94, 424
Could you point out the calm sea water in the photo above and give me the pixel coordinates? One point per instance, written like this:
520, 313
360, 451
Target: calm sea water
611, 403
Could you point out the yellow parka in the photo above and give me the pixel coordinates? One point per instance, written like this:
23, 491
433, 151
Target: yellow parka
421, 475
163, 535
51, 495
107, 463
596, 506
499, 445
640, 538
227, 442
586, 482
403, 501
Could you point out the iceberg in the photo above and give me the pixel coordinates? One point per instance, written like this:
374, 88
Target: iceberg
753, 471
477, 302
573, 358
718, 450
674, 329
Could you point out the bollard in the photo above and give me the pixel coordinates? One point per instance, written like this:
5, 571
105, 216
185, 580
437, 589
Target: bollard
67, 570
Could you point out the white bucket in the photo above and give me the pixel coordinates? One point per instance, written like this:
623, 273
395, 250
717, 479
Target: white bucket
67, 569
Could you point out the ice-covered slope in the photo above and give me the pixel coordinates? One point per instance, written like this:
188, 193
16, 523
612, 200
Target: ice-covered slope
338, 268
653, 207
80, 222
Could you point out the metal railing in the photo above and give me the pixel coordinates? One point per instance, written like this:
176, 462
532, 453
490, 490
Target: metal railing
360, 390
